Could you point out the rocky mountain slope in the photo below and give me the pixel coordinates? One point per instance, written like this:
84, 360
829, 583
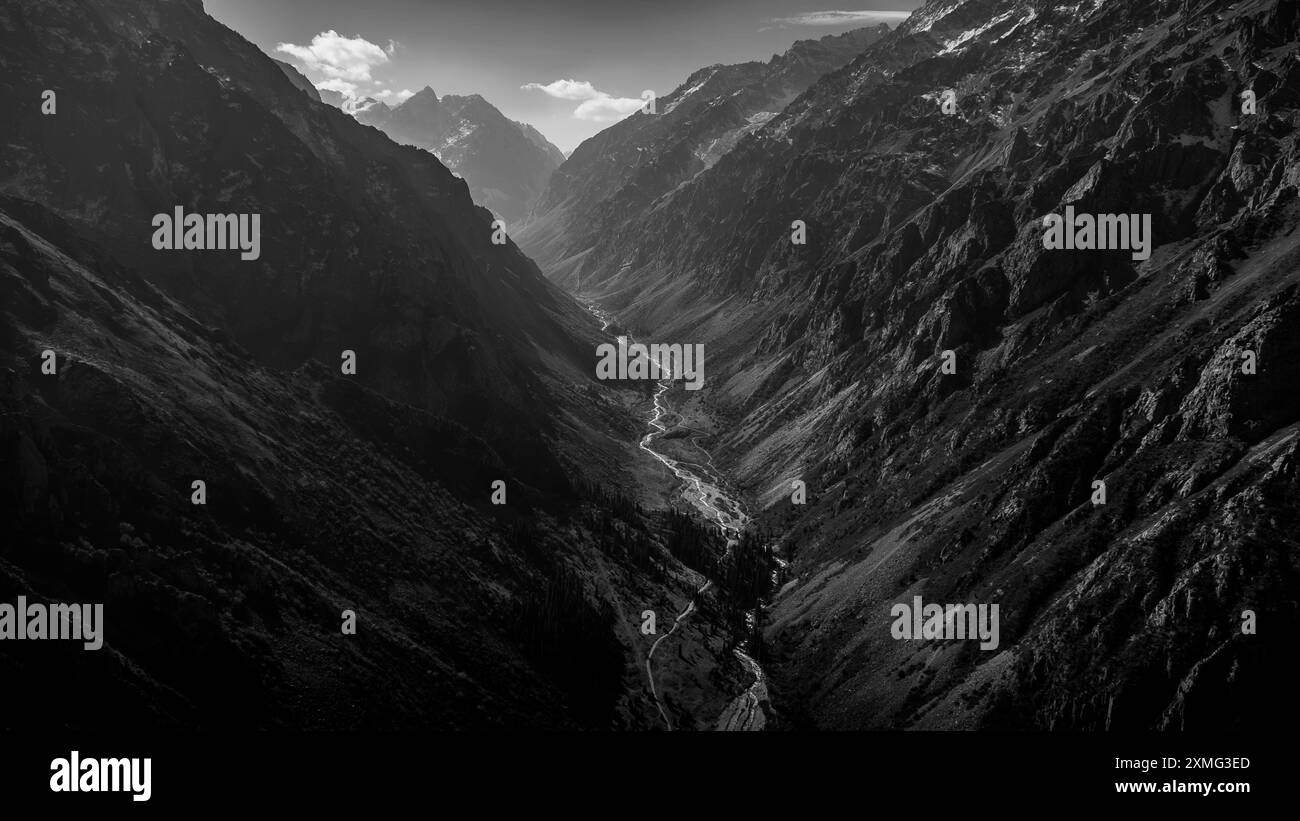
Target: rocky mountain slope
506, 163
324, 491
617, 174
925, 235
304, 85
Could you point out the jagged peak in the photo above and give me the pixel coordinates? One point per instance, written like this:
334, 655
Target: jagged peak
424, 95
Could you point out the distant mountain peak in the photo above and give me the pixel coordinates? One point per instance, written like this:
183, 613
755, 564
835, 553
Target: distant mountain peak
426, 94
505, 163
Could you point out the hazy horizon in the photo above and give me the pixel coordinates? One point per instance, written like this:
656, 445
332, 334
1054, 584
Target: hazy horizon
569, 69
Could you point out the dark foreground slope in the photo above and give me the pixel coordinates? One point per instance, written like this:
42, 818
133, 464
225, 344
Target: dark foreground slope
325, 491
924, 236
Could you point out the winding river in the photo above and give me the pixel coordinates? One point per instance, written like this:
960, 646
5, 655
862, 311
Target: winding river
702, 487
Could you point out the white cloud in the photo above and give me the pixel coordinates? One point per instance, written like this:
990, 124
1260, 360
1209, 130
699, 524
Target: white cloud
394, 97
606, 109
843, 18
567, 90
339, 57
595, 105
341, 86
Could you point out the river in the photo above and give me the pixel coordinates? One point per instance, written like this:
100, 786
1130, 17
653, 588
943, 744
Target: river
703, 487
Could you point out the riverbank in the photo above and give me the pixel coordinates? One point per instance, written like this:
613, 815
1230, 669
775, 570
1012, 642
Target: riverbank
671, 441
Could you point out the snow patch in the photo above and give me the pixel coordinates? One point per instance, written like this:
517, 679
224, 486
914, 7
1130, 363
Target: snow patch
688, 92
967, 36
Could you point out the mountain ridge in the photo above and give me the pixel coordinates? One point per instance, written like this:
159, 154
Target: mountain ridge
505, 163
195, 454
624, 168
924, 235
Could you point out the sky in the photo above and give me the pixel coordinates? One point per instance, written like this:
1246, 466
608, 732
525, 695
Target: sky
567, 67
